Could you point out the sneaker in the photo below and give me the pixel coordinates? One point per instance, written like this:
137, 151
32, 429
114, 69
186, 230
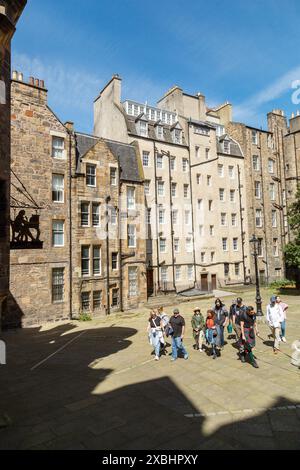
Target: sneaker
173, 359
215, 356
243, 358
283, 339
280, 340
201, 350
186, 357
255, 365
156, 358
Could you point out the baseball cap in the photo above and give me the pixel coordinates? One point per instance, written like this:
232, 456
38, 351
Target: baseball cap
176, 311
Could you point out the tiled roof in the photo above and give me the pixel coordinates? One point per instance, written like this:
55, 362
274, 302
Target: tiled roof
126, 154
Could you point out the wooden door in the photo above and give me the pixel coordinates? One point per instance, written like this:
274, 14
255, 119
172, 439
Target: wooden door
150, 283
214, 281
204, 282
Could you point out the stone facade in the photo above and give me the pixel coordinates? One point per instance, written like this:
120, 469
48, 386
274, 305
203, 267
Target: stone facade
63, 184
35, 162
10, 12
197, 222
100, 225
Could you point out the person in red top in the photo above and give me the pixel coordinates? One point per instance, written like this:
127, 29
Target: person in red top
211, 332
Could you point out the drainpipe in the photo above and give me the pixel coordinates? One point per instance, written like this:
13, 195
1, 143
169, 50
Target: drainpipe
156, 214
70, 228
107, 201
192, 204
264, 208
120, 238
242, 223
171, 218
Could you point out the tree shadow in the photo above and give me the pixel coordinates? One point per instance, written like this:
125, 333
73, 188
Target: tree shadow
71, 401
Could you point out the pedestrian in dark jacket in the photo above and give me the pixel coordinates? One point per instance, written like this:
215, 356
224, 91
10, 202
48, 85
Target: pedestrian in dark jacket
221, 320
249, 330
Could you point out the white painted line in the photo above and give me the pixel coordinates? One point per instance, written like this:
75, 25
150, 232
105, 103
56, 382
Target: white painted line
56, 352
135, 366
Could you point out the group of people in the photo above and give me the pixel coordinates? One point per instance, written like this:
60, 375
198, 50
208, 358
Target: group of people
240, 319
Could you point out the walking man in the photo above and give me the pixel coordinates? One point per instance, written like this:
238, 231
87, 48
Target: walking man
275, 318
221, 319
238, 310
249, 331
177, 323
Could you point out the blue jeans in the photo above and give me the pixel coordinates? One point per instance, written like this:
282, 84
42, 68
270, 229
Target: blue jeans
155, 343
283, 329
177, 345
220, 337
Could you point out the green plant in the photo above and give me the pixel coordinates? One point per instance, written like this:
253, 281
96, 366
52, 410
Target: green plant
85, 317
281, 283
292, 250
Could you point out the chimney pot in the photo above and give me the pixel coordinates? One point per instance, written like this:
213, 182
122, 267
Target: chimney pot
42, 83
298, 113
31, 80
15, 75
20, 77
37, 82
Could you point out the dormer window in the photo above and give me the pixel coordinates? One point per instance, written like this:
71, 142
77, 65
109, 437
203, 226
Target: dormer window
160, 132
142, 125
143, 128
177, 134
226, 146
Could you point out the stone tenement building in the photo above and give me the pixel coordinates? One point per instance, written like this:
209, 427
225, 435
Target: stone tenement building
210, 184
194, 187
10, 12
160, 198
66, 189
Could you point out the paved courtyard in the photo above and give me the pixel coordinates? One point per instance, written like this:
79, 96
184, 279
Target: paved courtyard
96, 386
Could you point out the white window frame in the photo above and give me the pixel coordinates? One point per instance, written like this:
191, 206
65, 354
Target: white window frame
93, 176
98, 259
58, 230
57, 148
113, 176
96, 214
131, 198
58, 189
131, 236
146, 159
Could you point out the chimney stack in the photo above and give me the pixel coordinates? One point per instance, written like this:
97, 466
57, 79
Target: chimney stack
70, 125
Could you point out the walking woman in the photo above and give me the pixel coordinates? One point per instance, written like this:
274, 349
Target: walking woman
249, 330
211, 332
284, 308
155, 332
275, 317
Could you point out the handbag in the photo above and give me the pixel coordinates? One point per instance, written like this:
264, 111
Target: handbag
229, 329
169, 331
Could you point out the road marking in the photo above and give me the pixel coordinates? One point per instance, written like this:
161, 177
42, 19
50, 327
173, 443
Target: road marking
122, 371
56, 352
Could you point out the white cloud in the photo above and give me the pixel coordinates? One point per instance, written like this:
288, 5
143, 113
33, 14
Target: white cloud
68, 87
250, 109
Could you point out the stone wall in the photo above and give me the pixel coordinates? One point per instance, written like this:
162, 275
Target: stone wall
34, 126
9, 14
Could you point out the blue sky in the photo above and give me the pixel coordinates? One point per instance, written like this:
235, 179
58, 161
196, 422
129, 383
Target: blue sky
235, 50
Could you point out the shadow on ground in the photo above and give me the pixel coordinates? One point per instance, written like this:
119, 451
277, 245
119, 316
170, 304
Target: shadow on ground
63, 403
